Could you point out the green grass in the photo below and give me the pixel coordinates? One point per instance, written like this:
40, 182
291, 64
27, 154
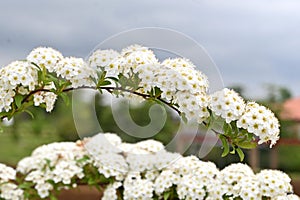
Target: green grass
12, 149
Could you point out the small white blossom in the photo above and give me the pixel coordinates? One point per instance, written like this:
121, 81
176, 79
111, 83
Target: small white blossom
45, 57
76, 71
10, 191
274, 183
228, 104
106, 59
261, 122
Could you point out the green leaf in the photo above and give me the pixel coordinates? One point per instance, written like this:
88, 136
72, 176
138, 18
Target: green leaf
227, 129
240, 153
25, 185
30, 113
113, 78
211, 122
52, 197
166, 195
234, 127
65, 98
104, 83
247, 145
233, 150
18, 100
157, 92
83, 159
4, 114
225, 145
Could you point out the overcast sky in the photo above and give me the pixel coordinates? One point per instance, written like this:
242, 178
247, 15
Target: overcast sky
252, 42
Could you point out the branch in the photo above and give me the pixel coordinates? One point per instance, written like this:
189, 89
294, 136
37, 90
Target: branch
110, 90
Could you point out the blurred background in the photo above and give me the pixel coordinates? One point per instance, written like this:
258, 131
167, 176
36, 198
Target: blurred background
255, 45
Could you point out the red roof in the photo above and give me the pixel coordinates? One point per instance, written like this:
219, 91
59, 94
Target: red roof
291, 109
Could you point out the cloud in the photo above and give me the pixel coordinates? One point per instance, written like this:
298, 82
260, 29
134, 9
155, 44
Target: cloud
251, 42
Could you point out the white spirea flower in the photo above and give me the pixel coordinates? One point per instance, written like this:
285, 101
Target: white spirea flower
110, 192
140, 171
152, 146
231, 177
56, 162
193, 106
274, 183
135, 187
260, 121
105, 153
10, 191
132, 57
76, 71
106, 59
43, 189
111, 165
228, 104
45, 57
17, 77
165, 180
191, 187
193, 176
6, 173
249, 188
102, 144
191, 79
49, 98
287, 197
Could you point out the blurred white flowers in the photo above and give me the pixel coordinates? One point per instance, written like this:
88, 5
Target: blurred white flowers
133, 171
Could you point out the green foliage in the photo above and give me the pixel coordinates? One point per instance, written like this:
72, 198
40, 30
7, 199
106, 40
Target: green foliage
140, 116
233, 138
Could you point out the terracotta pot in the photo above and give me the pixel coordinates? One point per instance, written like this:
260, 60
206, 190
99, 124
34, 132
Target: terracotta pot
80, 193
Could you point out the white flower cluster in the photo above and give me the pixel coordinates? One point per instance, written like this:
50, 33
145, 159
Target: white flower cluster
110, 191
144, 170
76, 71
274, 183
238, 180
106, 59
192, 177
252, 117
136, 187
181, 84
45, 57
125, 63
235, 180
71, 69
228, 104
48, 98
19, 77
134, 56
176, 81
9, 190
152, 172
260, 121
106, 155
6, 173
55, 162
